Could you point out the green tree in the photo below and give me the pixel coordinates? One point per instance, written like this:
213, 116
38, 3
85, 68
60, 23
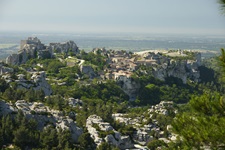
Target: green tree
23, 137
105, 146
7, 126
154, 144
64, 137
205, 124
3, 85
1, 138
30, 95
86, 142
150, 94
222, 3
49, 138
9, 94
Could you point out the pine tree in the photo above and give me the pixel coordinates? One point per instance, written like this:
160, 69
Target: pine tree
86, 142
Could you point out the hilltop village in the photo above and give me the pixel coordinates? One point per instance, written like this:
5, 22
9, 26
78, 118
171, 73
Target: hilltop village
97, 96
119, 65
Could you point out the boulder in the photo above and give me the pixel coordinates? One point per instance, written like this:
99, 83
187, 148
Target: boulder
39, 79
142, 137
69, 124
74, 102
6, 108
122, 142
162, 108
111, 140
88, 70
126, 142
5, 70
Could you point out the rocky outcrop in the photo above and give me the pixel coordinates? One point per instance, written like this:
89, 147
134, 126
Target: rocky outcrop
33, 48
5, 70
64, 47
144, 127
40, 82
167, 65
142, 136
74, 102
182, 69
44, 116
69, 124
31, 41
129, 86
100, 51
28, 49
87, 70
6, 108
12, 59
95, 125
37, 82
162, 108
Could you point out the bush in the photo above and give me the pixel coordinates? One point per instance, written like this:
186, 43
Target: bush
154, 144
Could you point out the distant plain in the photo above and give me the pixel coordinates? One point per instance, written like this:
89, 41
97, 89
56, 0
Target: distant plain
208, 45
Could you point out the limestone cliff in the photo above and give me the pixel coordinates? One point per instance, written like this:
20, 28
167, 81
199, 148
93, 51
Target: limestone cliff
33, 48
183, 70
183, 66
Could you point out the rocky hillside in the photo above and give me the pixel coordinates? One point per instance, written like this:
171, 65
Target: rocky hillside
103, 99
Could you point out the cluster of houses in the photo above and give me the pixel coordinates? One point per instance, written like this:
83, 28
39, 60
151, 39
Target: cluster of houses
122, 64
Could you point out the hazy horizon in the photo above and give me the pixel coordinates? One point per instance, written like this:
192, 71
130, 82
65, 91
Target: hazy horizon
202, 17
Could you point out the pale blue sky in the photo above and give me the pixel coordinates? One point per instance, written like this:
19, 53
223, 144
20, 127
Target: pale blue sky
121, 16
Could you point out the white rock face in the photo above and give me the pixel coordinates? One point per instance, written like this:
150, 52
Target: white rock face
5, 70
69, 124
74, 102
129, 86
31, 42
41, 83
168, 67
142, 137
142, 133
116, 139
37, 82
13, 59
23, 56
88, 70
162, 107
180, 69
33, 48
40, 113
120, 117
64, 47
6, 108
28, 49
